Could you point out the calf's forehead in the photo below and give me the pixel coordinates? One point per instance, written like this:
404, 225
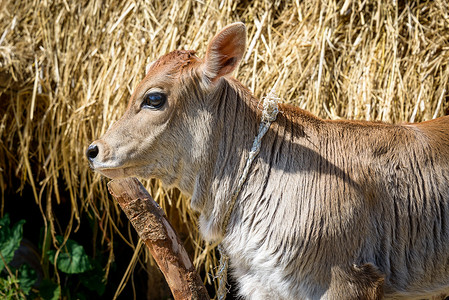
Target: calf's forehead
177, 58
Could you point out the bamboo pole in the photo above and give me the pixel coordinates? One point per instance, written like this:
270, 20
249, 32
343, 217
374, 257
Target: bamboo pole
158, 235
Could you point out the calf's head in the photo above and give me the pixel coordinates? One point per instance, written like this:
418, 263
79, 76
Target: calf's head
165, 129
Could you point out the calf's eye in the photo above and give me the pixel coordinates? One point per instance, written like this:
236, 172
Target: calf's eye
154, 100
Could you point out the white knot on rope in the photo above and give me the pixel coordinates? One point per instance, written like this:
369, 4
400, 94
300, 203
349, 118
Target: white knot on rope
269, 114
270, 106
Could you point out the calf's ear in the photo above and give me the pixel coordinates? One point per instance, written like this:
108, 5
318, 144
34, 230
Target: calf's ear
225, 51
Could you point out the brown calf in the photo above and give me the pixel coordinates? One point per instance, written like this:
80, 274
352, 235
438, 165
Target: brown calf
330, 209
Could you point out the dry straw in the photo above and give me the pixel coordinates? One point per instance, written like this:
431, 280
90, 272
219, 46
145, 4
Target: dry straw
67, 69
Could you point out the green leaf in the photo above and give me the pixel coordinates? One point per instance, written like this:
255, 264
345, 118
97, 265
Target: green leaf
72, 259
49, 290
94, 279
27, 277
4, 222
9, 239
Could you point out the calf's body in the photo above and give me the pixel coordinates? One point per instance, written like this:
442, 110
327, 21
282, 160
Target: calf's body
330, 209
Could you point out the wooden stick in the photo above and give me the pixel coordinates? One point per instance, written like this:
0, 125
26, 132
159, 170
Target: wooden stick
152, 225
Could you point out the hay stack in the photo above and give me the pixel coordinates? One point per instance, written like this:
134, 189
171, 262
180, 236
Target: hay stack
67, 69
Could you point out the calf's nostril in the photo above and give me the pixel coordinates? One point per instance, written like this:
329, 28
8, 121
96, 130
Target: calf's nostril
92, 152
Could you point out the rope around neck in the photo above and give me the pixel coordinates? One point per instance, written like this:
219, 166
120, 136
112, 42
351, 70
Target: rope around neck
269, 114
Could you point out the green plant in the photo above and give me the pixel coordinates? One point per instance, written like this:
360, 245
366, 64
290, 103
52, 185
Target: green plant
16, 283
10, 288
82, 271
80, 275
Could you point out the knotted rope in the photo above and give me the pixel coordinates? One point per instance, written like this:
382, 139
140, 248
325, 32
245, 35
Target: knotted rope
269, 114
